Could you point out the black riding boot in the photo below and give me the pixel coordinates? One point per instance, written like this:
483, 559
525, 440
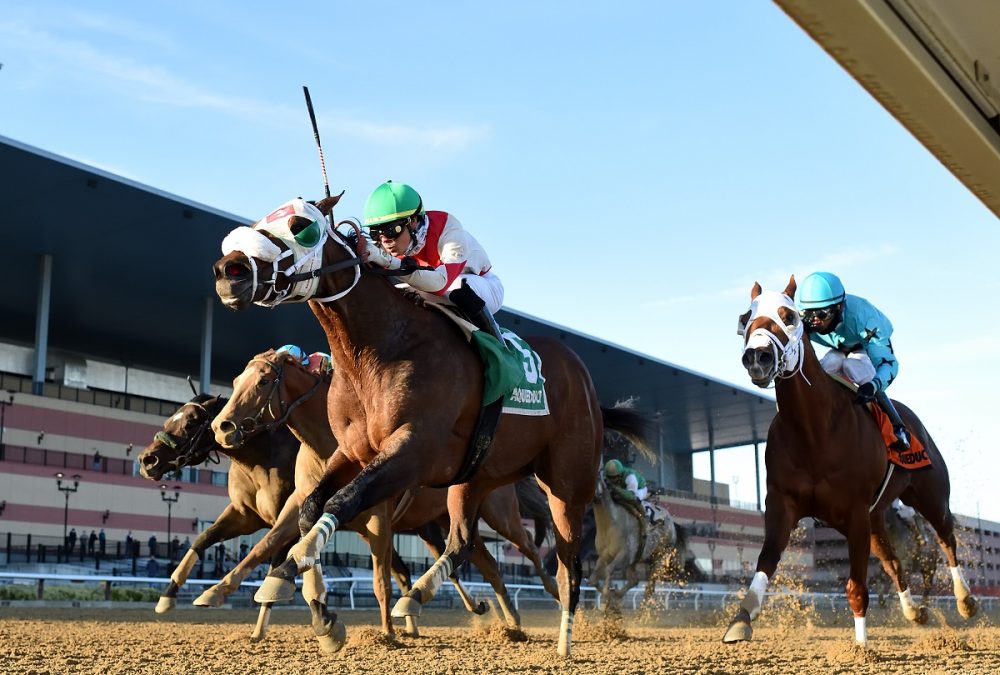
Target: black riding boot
898, 428
473, 306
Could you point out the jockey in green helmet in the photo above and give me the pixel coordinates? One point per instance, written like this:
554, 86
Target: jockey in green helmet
443, 259
857, 334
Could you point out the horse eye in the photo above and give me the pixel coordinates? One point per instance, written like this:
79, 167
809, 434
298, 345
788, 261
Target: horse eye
263, 382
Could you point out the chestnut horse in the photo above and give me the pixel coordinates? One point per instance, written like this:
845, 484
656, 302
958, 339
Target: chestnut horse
260, 481
262, 392
825, 458
405, 399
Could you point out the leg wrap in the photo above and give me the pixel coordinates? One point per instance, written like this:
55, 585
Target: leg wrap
313, 586
308, 549
428, 585
754, 599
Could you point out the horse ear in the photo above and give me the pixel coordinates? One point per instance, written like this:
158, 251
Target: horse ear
755, 291
326, 204
741, 327
790, 288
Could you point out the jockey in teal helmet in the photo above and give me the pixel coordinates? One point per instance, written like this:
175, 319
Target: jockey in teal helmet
858, 337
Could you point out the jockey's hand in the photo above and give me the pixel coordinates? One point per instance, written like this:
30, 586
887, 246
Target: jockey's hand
380, 257
866, 393
408, 265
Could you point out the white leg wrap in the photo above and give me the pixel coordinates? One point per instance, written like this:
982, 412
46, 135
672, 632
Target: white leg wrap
429, 584
754, 600
909, 608
959, 583
860, 632
307, 551
565, 633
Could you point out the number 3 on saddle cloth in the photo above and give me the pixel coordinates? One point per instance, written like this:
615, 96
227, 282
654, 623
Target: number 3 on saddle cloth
513, 384
914, 458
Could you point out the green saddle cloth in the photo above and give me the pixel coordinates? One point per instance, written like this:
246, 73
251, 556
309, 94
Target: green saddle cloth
512, 370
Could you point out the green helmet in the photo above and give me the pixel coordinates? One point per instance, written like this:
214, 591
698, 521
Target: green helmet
614, 468
391, 201
819, 290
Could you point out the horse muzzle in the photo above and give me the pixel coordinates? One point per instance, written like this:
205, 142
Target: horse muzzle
151, 467
228, 434
760, 364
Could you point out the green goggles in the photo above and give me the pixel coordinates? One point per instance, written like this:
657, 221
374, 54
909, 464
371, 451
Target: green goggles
309, 235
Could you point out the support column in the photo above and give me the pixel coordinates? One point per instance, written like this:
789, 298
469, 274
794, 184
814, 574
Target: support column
205, 380
756, 466
659, 450
42, 324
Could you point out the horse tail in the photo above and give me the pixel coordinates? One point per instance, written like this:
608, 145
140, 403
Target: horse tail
531, 502
685, 561
638, 428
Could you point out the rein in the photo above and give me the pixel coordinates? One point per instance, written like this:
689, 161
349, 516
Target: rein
285, 408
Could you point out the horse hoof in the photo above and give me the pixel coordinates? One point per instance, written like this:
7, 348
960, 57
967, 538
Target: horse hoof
922, 615
406, 606
210, 598
256, 636
968, 607
739, 630
274, 589
481, 608
333, 641
165, 604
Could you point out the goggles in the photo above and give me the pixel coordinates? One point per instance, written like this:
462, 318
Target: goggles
819, 315
309, 235
390, 230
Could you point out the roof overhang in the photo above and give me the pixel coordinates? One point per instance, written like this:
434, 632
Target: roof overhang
935, 66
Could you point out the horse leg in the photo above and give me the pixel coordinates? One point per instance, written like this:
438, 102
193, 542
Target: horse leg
567, 521
230, 523
858, 550
938, 514
510, 527
386, 476
463, 510
780, 518
434, 541
330, 631
893, 568
480, 556
380, 540
402, 575
264, 616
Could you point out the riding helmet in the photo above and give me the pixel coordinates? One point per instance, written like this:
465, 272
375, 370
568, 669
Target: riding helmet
391, 201
820, 289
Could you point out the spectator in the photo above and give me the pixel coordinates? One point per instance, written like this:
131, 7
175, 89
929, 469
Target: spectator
92, 542
71, 541
128, 544
102, 541
243, 550
175, 545
97, 460
185, 545
152, 546
152, 567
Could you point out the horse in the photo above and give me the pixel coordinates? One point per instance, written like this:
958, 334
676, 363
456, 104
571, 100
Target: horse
260, 482
620, 544
910, 535
826, 458
260, 400
405, 400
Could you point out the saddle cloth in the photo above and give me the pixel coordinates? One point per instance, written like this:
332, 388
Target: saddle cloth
914, 458
514, 373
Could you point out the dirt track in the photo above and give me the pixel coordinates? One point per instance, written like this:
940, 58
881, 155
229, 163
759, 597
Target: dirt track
193, 641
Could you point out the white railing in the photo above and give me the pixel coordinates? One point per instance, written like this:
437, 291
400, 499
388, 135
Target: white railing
665, 596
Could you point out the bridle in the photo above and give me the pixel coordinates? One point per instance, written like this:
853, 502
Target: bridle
250, 424
789, 356
189, 450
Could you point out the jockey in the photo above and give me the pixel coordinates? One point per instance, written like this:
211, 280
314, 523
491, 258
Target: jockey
858, 336
631, 485
406, 236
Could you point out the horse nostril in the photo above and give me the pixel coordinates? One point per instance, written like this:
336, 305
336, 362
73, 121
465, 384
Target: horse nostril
236, 271
765, 358
247, 425
227, 427
748, 358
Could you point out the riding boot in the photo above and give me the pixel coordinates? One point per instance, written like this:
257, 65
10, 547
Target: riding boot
902, 441
473, 307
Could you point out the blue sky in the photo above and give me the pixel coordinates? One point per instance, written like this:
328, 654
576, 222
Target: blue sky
631, 167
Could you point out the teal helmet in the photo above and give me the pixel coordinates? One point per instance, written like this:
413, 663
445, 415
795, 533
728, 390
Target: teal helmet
819, 290
389, 205
613, 468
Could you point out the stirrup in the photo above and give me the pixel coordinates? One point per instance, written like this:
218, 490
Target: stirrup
902, 441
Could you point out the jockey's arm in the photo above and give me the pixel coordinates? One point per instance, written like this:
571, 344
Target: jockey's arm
884, 360
632, 483
452, 249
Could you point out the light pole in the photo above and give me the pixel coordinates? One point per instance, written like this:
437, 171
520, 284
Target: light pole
3, 417
66, 490
170, 504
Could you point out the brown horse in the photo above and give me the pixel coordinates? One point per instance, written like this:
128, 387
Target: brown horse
261, 399
405, 399
825, 458
260, 482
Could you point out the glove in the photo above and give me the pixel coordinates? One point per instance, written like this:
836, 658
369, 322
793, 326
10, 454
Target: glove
380, 257
408, 265
866, 393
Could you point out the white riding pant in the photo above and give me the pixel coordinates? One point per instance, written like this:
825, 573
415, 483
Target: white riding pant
854, 366
488, 287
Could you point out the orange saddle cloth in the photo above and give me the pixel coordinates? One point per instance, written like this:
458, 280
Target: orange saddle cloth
914, 458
